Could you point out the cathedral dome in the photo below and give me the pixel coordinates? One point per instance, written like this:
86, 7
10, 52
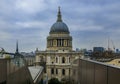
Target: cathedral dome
59, 26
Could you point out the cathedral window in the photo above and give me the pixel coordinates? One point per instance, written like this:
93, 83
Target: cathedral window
56, 71
58, 42
63, 60
56, 59
48, 59
52, 71
74, 72
63, 71
65, 42
62, 42
69, 59
41, 59
51, 43
54, 43
70, 43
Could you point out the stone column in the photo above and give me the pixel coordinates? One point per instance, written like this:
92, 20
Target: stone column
59, 60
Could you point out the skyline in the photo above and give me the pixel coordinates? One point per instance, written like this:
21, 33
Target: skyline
91, 23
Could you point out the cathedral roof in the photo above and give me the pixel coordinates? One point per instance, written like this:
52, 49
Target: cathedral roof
59, 26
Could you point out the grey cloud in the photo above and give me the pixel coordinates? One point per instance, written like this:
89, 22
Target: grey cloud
85, 19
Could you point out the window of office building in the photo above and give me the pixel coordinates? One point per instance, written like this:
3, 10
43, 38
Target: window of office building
56, 59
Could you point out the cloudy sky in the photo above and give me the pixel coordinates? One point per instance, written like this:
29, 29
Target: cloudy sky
91, 22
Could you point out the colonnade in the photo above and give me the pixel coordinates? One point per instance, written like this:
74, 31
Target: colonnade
59, 43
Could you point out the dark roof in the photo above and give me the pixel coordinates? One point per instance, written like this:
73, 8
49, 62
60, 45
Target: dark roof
59, 26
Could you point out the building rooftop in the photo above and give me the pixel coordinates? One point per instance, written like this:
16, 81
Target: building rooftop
35, 72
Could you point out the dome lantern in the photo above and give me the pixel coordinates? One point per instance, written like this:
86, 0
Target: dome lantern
59, 26
59, 18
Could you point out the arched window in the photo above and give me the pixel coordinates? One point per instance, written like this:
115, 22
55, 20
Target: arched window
74, 71
63, 60
56, 71
41, 59
52, 71
63, 71
58, 42
56, 59
69, 59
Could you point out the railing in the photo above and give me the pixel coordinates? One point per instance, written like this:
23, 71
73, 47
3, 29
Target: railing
92, 72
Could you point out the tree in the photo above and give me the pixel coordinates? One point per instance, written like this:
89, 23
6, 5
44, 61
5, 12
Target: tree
67, 80
54, 81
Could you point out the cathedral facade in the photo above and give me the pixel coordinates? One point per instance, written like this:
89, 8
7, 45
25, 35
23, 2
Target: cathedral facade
59, 54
